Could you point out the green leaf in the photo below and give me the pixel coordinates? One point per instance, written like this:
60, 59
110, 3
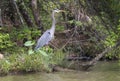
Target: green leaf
43, 53
29, 43
30, 52
71, 21
78, 23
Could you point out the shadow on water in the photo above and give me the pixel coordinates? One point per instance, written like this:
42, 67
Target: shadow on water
103, 71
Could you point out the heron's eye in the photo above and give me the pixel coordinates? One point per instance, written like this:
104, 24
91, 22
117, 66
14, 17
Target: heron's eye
48, 32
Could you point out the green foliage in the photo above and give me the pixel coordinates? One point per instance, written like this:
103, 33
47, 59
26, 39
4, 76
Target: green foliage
31, 62
111, 39
26, 59
5, 41
114, 7
4, 67
77, 23
23, 62
26, 62
26, 32
113, 54
43, 53
109, 42
29, 43
58, 57
9, 42
118, 27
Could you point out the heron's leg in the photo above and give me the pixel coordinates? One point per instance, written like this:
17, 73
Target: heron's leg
51, 44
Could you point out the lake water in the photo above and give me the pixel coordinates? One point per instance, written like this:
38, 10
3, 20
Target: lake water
103, 71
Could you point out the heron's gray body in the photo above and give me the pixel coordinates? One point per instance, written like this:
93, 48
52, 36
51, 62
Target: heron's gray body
41, 42
48, 35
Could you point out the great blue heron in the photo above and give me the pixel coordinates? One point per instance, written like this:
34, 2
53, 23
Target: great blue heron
49, 34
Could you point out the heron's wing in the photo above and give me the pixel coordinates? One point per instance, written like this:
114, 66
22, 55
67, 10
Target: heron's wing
43, 40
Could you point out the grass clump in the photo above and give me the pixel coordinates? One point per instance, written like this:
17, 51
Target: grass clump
4, 67
25, 62
31, 62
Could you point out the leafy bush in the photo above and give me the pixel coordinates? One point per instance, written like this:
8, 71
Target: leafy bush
5, 41
28, 63
110, 41
38, 61
22, 63
4, 67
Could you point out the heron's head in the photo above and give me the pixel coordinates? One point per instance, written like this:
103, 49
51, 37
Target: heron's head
57, 10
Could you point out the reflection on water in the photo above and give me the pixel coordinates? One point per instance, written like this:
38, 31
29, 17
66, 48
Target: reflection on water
103, 71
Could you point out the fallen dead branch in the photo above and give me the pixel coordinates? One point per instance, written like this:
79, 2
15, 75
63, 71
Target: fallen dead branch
99, 56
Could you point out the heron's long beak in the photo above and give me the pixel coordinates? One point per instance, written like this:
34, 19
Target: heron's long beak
62, 11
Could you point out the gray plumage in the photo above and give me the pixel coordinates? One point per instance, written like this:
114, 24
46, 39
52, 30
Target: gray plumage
48, 35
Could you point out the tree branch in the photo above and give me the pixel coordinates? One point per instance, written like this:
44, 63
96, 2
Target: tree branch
99, 56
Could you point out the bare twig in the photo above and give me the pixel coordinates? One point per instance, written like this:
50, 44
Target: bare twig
69, 38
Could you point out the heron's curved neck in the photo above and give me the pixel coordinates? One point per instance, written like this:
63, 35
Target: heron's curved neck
53, 20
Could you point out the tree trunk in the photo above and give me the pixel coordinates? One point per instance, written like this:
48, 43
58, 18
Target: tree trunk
1, 24
18, 12
36, 13
24, 13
